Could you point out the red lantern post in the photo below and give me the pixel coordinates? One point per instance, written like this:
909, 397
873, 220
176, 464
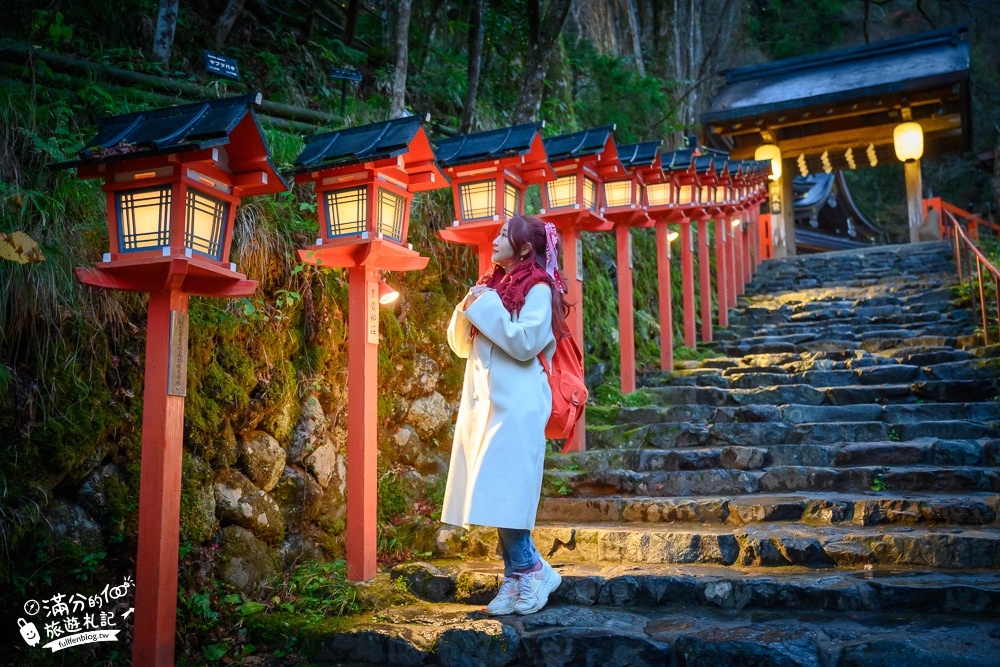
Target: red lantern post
173, 179
365, 178
707, 210
662, 208
581, 162
682, 169
489, 173
624, 205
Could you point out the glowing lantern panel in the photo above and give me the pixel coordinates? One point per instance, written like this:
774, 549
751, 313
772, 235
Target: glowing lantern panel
390, 214
617, 193
144, 219
659, 194
511, 200
206, 218
684, 194
345, 211
772, 153
908, 140
562, 191
590, 193
479, 199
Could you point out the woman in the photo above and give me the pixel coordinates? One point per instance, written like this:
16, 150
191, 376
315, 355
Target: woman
495, 474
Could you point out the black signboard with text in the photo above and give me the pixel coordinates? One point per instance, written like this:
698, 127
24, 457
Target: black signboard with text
221, 65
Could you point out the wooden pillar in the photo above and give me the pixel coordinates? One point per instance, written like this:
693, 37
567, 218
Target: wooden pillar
572, 275
731, 274
705, 281
626, 318
783, 221
746, 240
362, 422
687, 284
160, 479
915, 203
664, 286
721, 272
740, 266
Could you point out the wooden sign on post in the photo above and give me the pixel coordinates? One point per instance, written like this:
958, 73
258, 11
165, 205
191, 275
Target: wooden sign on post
371, 306
177, 373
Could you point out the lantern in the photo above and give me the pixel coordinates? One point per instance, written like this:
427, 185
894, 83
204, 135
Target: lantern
489, 173
908, 140
770, 152
581, 162
172, 181
365, 178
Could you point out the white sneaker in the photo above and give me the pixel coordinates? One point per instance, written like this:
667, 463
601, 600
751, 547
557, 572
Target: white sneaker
505, 600
535, 589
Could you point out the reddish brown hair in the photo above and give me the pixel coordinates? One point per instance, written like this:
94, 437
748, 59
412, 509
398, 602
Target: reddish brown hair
523, 229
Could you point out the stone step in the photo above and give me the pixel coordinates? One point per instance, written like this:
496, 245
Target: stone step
860, 509
673, 435
838, 454
982, 411
773, 479
759, 545
671, 633
615, 585
945, 391
753, 378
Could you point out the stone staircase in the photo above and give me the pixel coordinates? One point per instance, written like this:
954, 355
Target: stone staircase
823, 493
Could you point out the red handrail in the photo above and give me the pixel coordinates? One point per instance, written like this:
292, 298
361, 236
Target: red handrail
973, 222
964, 243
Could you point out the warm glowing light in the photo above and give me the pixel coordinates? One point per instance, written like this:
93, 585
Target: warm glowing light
736, 223
479, 199
772, 153
346, 211
511, 200
144, 219
707, 194
144, 174
386, 294
673, 236
562, 191
390, 214
206, 220
908, 139
659, 194
617, 193
684, 195
590, 193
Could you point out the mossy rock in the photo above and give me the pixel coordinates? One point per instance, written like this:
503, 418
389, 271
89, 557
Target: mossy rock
243, 561
198, 522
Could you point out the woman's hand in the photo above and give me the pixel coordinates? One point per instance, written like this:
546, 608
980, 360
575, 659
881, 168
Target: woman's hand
474, 294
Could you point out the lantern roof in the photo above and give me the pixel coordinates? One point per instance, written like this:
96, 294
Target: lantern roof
519, 140
228, 122
704, 164
639, 155
679, 160
578, 144
365, 143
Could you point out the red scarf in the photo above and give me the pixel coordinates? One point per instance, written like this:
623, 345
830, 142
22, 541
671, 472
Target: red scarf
513, 287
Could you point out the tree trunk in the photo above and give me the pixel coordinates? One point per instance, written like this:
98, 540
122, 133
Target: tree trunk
402, 55
225, 23
996, 172
475, 61
533, 78
633, 24
166, 22
351, 20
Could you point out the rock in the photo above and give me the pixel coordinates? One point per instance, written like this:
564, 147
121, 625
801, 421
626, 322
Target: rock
70, 521
423, 379
242, 561
432, 462
426, 581
406, 444
262, 459
93, 493
428, 414
224, 447
239, 502
594, 646
743, 458
326, 463
749, 645
297, 495
198, 522
485, 643
308, 431
593, 376
449, 540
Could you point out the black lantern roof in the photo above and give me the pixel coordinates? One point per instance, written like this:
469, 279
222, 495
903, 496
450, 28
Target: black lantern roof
188, 127
638, 155
490, 145
365, 143
578, 144
679, 160
704, 163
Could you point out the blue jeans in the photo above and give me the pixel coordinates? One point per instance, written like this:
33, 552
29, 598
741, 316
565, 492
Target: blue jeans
517, 549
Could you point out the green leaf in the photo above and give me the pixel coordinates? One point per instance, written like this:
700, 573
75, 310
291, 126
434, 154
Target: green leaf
251, 607
214, 651
233, 598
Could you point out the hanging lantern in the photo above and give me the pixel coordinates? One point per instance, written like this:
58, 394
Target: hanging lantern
908, 140
770, 152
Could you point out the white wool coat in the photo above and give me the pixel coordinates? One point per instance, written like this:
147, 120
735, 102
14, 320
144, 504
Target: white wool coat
495, 474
